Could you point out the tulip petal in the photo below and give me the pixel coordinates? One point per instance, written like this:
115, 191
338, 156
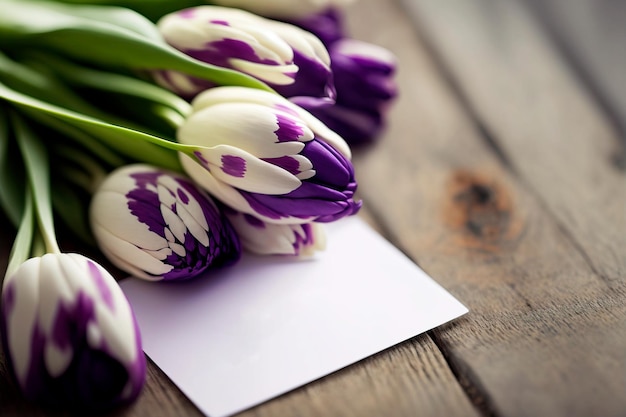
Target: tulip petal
203, 177
110, 209
174, 223
240, 169
192, 206
275, 74
239, 95
128, 252
277, 239
294, 164
196, 230
22, 314
250, 127
302, 41
234, 94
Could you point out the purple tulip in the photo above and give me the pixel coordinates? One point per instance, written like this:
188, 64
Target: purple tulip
69, 334
158, 225
267, 157
277, 239
365, 88
289, 59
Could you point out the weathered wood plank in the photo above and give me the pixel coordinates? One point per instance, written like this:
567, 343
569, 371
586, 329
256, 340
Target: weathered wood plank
543, 120
531, 243
592, 35
411, 379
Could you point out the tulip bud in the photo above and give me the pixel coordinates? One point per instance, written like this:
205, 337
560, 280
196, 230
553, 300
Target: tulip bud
287, 9
365, 88
69, 334
158, 225
267, 157
277, 239
291, 60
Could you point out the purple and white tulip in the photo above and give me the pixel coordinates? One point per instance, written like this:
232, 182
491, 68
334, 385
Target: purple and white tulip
159, 225
267, 157
364, 79
277, 239
69, 334
284, 9
289, 59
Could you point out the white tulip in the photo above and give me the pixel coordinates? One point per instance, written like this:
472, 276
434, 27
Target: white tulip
70, 334
159, 225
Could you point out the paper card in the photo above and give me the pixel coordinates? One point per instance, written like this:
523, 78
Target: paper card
234, 339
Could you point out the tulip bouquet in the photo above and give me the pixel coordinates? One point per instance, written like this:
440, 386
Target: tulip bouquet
171, 135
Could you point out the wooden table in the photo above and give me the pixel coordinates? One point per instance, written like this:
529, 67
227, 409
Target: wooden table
502, 174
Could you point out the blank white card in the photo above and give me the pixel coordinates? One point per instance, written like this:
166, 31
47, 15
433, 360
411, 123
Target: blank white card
236, 338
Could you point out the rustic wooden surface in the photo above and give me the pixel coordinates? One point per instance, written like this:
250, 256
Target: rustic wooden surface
506, 154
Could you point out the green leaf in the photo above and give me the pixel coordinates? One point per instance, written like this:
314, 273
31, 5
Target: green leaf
38, 174
92, 35
137, 145
119, 84
11, 174
119, 16
152, 9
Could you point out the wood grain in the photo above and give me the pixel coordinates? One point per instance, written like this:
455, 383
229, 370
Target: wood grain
411, 379
498, 111
544, 122
591, 36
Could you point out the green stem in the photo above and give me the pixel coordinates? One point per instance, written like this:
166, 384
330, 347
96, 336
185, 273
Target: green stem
25, 79
88, 168
39, 246
38, 174
11, 182
82, 76
77, 177
22, 244
170, 116
121, 138
133, 143
72, 207
105, 153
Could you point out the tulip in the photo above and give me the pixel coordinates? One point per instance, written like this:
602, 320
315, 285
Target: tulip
288, 9
365, 88
289, 59
277, 239
69, 334
267, 157
327, 25
158, 225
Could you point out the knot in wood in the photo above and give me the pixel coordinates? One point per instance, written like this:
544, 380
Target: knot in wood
481, 209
